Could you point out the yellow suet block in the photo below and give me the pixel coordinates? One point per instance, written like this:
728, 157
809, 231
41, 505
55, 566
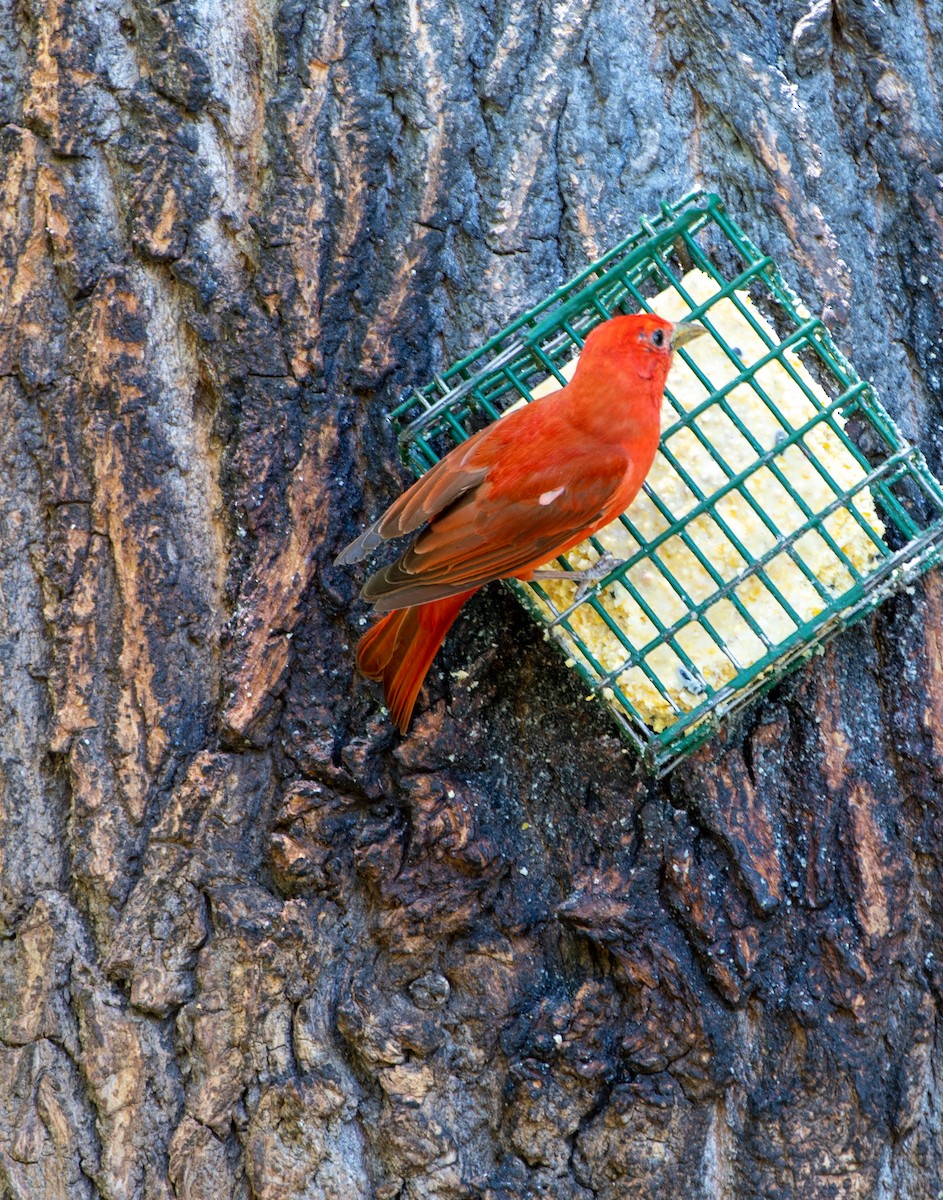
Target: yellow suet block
678, 579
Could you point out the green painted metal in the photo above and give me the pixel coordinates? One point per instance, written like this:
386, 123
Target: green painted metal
697, 231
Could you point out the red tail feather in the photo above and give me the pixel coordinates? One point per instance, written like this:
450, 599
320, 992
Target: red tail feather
400, 648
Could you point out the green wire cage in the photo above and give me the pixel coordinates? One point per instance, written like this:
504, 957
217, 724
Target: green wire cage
783, 506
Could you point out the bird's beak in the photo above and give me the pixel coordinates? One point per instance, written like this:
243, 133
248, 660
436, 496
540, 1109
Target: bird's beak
685, 332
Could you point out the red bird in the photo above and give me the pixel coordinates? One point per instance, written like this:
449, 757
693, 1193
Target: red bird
514, 496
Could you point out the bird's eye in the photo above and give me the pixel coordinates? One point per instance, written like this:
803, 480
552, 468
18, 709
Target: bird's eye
658, 338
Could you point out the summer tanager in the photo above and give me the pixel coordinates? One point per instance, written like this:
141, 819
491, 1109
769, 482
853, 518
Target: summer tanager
514, 496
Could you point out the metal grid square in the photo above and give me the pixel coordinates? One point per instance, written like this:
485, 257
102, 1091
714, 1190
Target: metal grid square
841, 417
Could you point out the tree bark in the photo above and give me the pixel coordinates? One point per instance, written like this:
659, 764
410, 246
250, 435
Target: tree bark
256, 944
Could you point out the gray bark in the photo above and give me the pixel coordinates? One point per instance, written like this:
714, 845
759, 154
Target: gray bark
255, 944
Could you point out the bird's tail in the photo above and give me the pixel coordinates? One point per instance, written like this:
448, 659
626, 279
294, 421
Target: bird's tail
399, 650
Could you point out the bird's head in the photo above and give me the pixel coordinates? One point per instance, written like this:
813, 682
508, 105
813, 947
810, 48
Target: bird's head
621, 374
641, 344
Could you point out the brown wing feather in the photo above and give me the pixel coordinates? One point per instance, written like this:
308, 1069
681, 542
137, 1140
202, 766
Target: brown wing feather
495, 534
504, 444
443, 484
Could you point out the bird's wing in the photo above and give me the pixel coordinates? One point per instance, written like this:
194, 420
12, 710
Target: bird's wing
507, 525
441, 486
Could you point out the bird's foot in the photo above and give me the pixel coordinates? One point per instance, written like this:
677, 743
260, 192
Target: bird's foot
587, 578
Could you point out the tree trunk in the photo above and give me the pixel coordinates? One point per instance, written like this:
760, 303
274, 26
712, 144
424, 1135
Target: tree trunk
256, 944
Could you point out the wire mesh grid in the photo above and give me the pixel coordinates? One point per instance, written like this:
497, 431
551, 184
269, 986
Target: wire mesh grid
784, 503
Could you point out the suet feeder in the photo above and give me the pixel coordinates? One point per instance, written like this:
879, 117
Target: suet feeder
783, 505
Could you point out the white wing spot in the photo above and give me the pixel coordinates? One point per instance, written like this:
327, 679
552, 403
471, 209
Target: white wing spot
549, 497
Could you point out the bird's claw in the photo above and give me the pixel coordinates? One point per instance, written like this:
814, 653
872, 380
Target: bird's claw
588, 577
592, 576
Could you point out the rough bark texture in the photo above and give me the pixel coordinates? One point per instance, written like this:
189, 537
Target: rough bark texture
254, 944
